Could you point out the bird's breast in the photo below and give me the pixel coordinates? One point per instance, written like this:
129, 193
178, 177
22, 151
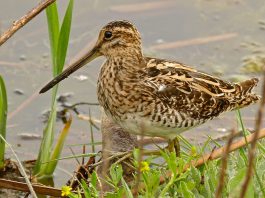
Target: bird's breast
117, 91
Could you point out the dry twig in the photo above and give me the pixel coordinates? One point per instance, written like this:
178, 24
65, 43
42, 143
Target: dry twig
219, 152
24, 20
224, 165
40, 189
21, 169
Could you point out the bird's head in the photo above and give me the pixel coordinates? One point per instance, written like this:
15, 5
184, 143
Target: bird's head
117, 38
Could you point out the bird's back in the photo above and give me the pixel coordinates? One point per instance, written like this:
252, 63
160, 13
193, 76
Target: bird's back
177, 81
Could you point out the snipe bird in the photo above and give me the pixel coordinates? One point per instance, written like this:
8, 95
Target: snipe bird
153, 96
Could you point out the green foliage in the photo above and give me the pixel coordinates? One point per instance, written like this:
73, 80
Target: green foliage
115, 174
3, 116
59, 38
194, 182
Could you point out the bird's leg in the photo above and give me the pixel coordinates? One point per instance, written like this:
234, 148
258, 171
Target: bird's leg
173, 146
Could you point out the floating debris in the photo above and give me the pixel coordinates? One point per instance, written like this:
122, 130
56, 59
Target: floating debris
29, 136
81, 77
222, 130
22, 57
19, 92
63, 98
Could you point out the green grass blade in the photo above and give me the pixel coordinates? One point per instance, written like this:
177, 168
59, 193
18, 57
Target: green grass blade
59, 38
3, 115
128, 192
58, 148
48, 132
53, 27
86, 190
64, 37
73, 157
46, 145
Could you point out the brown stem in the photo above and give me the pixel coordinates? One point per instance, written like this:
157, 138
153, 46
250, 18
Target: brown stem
24, 20
224, 165
21, 186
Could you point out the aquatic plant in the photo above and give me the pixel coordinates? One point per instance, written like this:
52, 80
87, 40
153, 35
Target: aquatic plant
59, 38
3, 116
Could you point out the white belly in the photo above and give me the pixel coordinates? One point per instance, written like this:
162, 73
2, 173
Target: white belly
140, 126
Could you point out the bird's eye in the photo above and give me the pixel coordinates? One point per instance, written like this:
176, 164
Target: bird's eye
108, 34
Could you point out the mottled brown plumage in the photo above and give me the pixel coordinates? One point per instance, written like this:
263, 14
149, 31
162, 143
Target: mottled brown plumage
153, 96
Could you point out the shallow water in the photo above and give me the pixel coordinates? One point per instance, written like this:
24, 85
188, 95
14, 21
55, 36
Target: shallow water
180, 30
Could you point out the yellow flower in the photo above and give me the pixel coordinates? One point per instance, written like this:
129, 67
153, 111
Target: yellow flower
66, 190
144, 166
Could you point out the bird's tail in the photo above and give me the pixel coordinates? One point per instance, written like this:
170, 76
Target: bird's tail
244, 96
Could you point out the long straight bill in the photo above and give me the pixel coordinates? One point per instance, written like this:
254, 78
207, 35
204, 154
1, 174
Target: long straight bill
91, 55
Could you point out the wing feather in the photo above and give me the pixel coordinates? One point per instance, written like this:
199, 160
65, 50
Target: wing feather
187, 90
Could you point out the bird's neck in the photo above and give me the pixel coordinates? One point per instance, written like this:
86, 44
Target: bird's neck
130, 58
126, 66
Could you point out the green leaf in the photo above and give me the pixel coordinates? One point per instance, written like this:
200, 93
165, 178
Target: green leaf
46, 146
212, 175
196, 175
171, 160
64, 38
53, 27
207, 189
116, 174
59, 38
128, 192
86, 190
185, 190
48, 132
94, 179
3, 116
58, 148
237, 179
136, 152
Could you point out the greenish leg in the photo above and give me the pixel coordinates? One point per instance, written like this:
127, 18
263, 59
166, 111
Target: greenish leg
173, 146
